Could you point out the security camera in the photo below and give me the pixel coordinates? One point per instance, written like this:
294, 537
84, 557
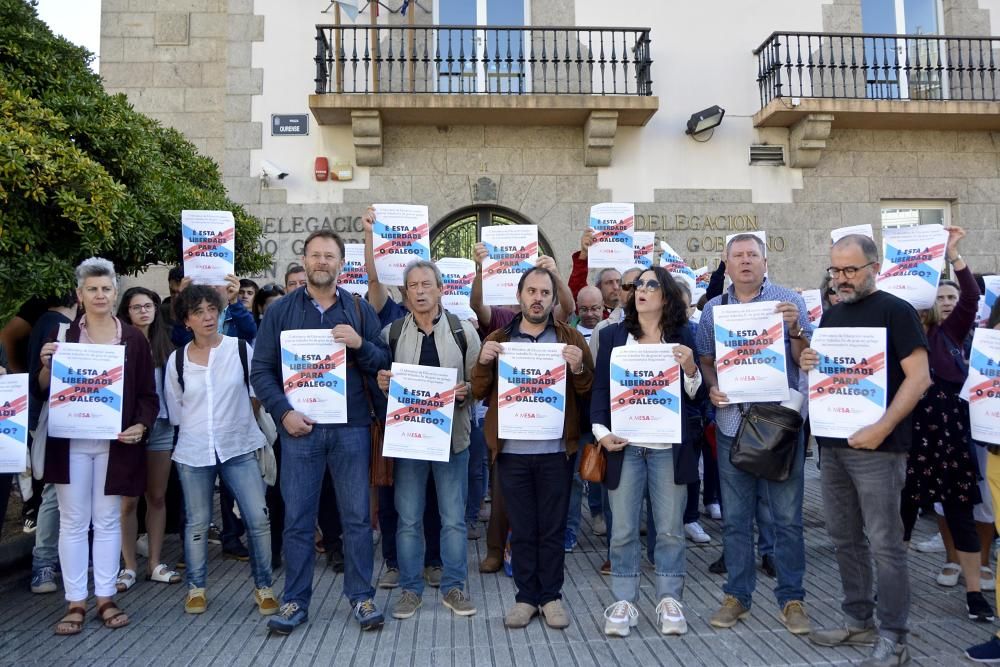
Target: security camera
272, 170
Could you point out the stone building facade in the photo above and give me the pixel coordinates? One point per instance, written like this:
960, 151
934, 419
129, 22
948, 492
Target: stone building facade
218, 69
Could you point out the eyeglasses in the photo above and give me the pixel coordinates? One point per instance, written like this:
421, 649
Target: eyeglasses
652, 284
627, 287
590, 309
848, 271
140, 307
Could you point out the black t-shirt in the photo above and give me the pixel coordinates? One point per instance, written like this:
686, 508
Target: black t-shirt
904, 334
46, 326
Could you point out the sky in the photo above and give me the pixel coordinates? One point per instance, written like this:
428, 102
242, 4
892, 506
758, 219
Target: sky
79, 21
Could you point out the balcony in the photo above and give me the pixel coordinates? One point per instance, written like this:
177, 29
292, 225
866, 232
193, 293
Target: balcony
812, 82
590, 77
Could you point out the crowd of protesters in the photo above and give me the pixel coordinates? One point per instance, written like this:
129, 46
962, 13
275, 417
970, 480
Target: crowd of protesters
204, 398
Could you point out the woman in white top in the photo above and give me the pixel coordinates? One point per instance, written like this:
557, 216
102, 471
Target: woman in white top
654, 315
210, 402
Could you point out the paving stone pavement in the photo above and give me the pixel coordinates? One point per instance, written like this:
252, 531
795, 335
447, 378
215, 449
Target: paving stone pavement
232, 633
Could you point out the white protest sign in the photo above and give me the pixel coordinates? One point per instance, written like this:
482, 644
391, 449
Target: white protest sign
992, 292
531, 391
642, 249
814, 304
513, 249
457, 275
864, 230
208, 246
354, 276
419, 413
750, 352
613, 226
913, 261
847, 390
646, 393
13, 422
86, 392
984, 386
400, 235
314, 374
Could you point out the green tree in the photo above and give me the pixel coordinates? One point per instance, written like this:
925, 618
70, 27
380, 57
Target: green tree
82, 173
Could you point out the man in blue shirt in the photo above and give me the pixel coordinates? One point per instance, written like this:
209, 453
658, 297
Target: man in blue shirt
308, 448
746, 265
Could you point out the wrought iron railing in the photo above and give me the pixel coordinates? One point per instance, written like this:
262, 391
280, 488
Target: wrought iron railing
875, 66
470, 59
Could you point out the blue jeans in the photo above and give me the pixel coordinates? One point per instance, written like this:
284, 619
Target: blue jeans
765, 522
740, 499
241, 475
653, 469
345, 450
478, 455
451, 482
46, 550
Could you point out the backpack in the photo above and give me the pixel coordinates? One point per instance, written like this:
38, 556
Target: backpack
455, 324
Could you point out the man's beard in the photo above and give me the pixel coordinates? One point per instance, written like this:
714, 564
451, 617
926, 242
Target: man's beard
321, 278
858, 293
536, 319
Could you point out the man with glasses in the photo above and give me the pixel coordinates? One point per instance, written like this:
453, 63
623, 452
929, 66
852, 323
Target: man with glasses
310, 448
863, 476
747, 267
589, 309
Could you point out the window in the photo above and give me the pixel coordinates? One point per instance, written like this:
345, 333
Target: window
457, 234
919, 212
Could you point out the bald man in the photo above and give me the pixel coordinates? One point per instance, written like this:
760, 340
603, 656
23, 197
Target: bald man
589, 309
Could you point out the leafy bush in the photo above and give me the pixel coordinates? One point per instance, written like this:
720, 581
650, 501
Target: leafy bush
82, 173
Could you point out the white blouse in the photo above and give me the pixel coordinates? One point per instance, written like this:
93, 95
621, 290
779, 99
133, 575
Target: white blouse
213, 411
691, 385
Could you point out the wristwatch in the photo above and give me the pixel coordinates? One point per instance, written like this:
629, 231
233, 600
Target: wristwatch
958, 258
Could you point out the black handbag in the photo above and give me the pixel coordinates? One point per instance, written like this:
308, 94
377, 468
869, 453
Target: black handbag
767, 440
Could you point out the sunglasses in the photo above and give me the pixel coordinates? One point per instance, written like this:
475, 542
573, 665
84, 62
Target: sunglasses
652, 284
627, 287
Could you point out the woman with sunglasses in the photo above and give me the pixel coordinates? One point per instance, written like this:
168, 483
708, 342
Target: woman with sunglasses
656, 314
140, 307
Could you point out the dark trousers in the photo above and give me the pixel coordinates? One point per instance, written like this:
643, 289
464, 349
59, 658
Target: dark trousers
328, 517
276, 509
496, 529
957, 515
536, 489
388, 521
6, 479
711, 485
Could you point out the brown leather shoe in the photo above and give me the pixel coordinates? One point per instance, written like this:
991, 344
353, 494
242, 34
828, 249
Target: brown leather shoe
492, 563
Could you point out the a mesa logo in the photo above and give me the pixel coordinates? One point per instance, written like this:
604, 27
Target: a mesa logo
525, 415
641, 418
415, 436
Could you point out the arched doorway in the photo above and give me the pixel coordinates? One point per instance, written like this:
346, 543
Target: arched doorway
456, 234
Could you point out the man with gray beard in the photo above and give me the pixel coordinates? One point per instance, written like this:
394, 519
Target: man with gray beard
863, 475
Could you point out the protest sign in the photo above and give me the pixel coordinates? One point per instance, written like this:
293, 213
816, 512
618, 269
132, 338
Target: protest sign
642, 249
750, 352
913, 261
419, 413
814, 304
513, 249
400, 235
354, 276
841, 232
457, 275
208, 246
85, 394
13, 423
613, 226
531, 391
646, 394
984, 386
314, 374
847, 389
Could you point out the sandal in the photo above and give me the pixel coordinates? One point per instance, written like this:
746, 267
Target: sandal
164, 575
112, 622
68, 626
126, 580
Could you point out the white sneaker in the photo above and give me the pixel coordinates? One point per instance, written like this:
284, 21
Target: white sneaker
696, 533
948, 576
142, 545
986, 579
933, 545
715, 511
671, 615
599, 525
620, 618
